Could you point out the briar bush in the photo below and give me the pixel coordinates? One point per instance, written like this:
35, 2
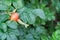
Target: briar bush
29, 20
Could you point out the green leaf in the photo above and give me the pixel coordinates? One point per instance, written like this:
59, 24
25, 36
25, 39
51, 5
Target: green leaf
12, 24
4, 4
29, 17
56, 35
44, 37
39, 21
13, 32
11, 37
58, 7
49, 14
1, 33
3, 26
40, 13
57, 26
18, 4
4, 17
3, 37
3, 7
54, 2
29, 37
26, 15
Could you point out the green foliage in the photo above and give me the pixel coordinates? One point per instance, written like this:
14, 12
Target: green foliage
4, 17
27, 15
41, 15
56, 35
3, 26
12, 24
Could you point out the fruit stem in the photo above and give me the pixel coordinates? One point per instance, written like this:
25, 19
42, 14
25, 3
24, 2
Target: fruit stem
14, 10
20, 22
